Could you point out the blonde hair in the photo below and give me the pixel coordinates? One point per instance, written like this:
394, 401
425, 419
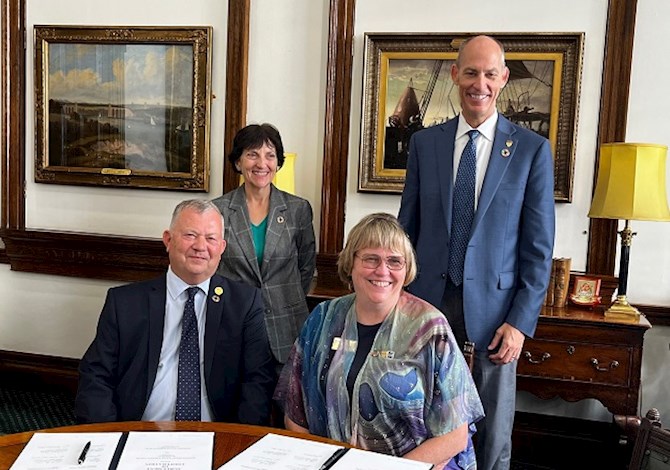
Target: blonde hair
378, 230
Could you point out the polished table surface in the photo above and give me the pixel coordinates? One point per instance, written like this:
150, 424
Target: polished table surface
229, 439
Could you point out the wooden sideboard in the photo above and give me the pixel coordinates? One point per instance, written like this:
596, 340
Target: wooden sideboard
578, 353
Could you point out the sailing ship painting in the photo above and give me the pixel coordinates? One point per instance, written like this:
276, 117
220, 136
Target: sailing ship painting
421, 93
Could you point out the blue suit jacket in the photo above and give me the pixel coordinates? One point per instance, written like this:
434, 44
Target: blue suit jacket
118, 370
508, 259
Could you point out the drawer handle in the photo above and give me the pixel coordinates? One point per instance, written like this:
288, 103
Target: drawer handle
596, 365
529, 357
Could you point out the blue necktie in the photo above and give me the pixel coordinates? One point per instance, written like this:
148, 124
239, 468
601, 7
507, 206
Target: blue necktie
463, 211
188, 381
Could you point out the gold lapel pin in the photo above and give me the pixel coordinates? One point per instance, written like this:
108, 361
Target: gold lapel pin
218, 290
280, 219
509, 143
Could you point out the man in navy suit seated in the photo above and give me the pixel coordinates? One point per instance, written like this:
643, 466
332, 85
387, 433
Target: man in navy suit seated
133, 370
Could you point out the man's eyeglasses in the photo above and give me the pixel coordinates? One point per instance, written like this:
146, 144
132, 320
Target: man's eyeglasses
394, 263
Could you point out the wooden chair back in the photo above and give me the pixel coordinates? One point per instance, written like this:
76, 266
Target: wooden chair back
652, 445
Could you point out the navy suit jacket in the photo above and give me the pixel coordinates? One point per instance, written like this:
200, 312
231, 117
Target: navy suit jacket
508, 258
118, 370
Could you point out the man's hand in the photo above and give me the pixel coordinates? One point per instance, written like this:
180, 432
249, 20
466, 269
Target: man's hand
508, 341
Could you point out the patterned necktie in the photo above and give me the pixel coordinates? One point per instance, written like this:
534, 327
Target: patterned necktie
463, 211
188, 381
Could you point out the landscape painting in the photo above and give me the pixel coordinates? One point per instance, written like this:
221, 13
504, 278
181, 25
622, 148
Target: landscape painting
123, 106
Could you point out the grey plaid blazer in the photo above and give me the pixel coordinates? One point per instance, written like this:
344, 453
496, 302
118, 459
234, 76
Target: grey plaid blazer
288, 260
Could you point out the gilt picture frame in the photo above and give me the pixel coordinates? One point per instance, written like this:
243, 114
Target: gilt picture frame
407, 87
123, 106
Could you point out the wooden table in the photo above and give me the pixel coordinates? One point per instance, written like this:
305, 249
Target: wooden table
578, 353
229, 439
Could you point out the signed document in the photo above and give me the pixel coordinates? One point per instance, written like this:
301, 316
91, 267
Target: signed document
277, 452
56, 451
167, 451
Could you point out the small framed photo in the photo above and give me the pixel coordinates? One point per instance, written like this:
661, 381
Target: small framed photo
586, 291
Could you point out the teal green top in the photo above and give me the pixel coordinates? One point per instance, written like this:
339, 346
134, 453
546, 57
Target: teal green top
258, 236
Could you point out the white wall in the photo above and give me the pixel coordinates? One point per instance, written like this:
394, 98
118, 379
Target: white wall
57, 316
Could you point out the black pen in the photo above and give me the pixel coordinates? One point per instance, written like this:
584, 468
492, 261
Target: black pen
84, 451
333, 458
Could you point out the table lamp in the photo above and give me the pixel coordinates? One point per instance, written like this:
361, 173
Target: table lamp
630, 186
285, 177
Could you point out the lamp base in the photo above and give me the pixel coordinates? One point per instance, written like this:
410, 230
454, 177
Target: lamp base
622, 310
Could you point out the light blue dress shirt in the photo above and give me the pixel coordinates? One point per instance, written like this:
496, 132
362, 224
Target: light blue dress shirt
163, 398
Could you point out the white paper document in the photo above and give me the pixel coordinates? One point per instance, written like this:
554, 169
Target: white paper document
57, 451
277, 452
356, 459
167, 451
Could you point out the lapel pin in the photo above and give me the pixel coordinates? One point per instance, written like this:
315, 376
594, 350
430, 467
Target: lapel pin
280, 219
218, 290
504, 153
509, 143
216, 298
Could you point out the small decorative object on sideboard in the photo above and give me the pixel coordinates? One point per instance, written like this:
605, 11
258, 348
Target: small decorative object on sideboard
586, 291
557, 291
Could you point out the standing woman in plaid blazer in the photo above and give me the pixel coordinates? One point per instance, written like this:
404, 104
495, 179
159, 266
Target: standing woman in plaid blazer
270, 236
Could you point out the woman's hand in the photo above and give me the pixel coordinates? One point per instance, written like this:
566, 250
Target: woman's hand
292, 426
441, 449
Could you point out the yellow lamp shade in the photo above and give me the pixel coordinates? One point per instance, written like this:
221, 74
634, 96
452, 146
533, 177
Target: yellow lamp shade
285, 177
631, 183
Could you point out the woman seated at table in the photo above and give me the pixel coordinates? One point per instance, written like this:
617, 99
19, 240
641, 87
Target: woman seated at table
380, 368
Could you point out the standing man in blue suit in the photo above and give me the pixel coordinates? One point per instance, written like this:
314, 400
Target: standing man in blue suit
493, 291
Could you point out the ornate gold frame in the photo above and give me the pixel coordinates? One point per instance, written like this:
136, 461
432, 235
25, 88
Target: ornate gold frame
113, 130
384, 147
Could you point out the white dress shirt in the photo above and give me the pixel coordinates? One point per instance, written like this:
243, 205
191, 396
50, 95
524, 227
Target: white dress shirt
484, 142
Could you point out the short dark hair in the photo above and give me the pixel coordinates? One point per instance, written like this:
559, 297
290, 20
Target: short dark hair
254, 136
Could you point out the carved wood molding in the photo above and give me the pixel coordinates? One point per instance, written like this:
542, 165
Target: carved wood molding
602, 243
85, 255
13, 117
39, 370
336, 144
237, 74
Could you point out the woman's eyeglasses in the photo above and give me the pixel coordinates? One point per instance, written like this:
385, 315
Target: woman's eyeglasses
394, 263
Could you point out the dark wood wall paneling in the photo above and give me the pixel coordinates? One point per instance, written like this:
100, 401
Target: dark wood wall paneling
129, 259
